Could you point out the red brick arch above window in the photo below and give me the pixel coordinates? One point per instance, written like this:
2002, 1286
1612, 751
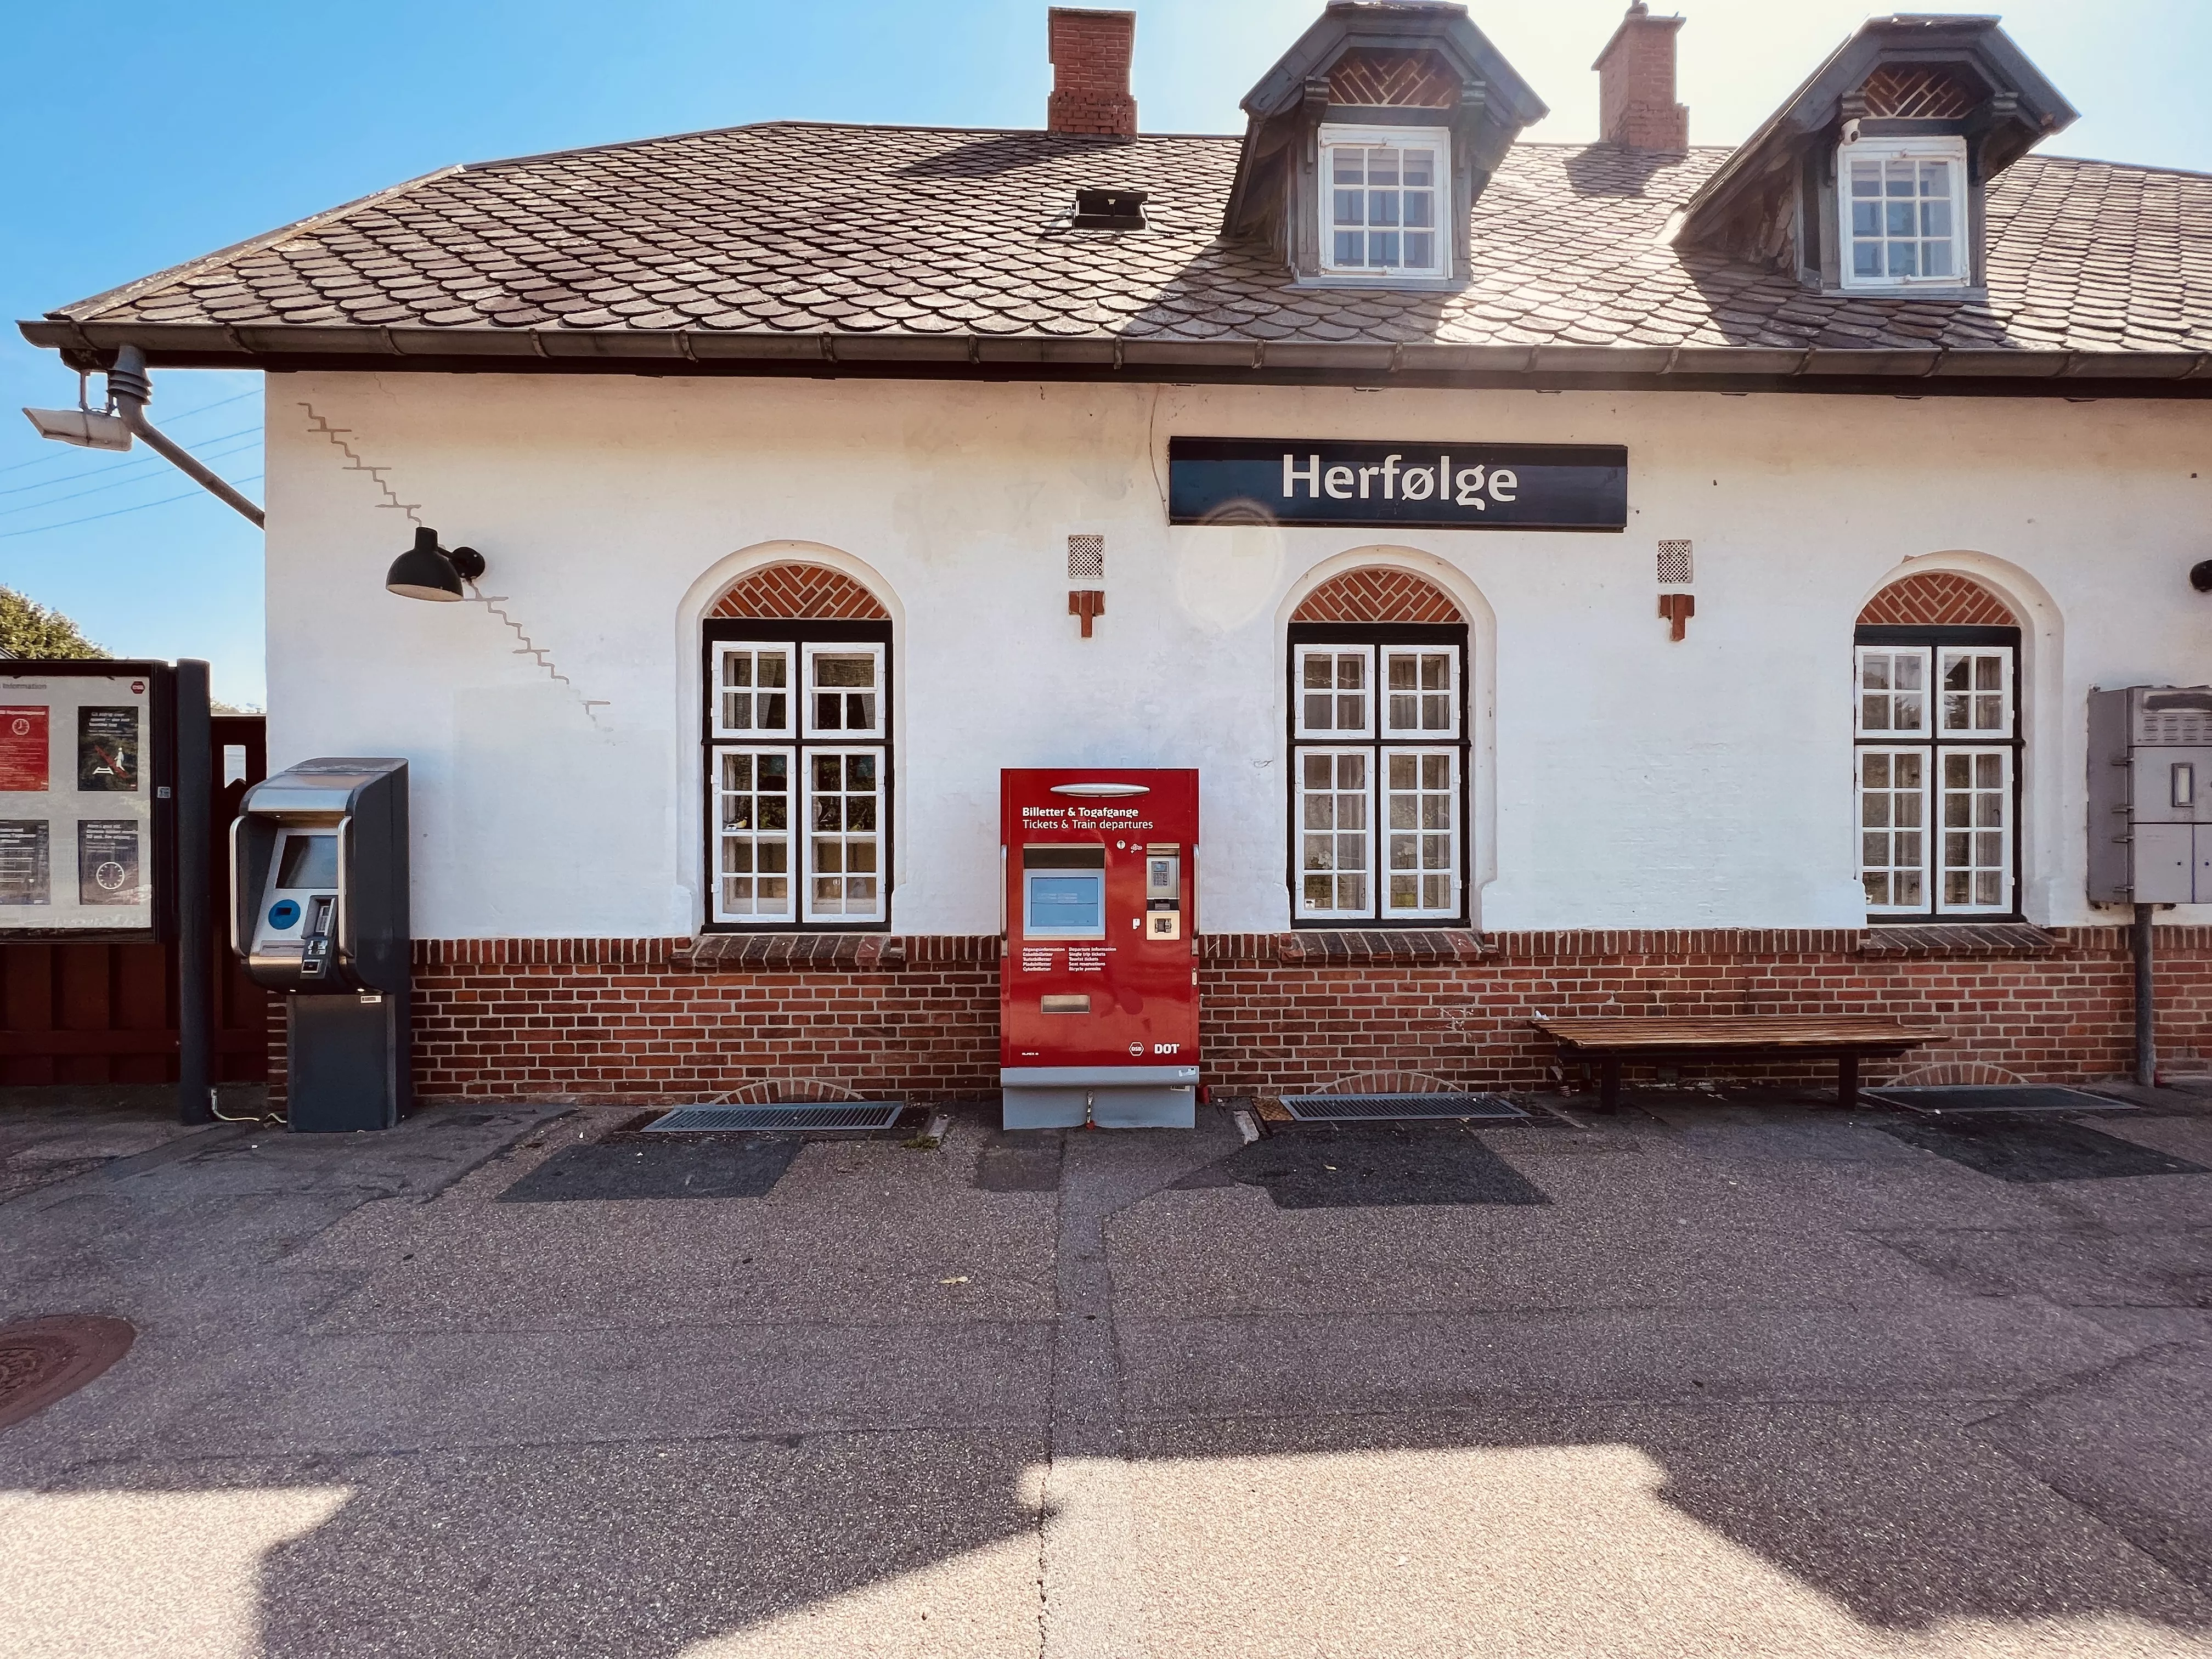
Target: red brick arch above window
1377, 596
811, 591
1937, 599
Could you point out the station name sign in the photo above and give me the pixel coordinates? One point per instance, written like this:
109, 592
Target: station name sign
1422, 485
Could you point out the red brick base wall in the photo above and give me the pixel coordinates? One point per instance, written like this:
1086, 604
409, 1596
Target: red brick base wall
644, 1020
1274, 1025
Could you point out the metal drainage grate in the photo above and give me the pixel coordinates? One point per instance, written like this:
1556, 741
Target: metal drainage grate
1960, 1099
1345, 1108
795, 1115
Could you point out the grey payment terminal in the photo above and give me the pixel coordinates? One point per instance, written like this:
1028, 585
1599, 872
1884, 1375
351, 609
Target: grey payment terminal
319, 911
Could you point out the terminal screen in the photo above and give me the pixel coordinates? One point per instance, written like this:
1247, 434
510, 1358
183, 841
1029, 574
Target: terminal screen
309, 862
1067, 904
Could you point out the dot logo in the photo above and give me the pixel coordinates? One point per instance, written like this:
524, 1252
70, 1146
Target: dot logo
1136, 1048
138, 687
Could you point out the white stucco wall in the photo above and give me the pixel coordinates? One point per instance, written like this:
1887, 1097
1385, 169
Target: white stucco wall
1622, 780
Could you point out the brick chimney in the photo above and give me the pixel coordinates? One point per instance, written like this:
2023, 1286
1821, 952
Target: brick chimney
1091, 53
1635, 105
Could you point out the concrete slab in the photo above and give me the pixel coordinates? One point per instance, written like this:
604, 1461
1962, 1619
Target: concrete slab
2127, 1443
1789, 1531
1957, 1350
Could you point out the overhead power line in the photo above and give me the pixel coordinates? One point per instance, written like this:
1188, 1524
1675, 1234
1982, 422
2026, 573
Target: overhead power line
139, 464
190, 494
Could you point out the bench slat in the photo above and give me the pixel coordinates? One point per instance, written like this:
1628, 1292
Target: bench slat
1739, 1031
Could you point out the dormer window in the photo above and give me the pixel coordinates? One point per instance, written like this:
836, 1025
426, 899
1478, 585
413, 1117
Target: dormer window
1903, 204
1385, 201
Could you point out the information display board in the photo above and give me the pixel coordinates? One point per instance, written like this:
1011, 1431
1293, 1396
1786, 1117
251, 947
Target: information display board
85, 798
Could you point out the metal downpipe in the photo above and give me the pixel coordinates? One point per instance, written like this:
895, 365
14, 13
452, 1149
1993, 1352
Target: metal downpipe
132, 389
2146, 999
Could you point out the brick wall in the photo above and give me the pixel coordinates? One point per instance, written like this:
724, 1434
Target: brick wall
649, 1020
1273, 1024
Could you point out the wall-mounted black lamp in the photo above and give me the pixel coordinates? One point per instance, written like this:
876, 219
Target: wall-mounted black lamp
428, 571
2200, 575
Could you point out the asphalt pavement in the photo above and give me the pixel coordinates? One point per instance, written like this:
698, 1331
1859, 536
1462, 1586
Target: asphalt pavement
1710, 1376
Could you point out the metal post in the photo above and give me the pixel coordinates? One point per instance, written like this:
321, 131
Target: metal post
195, 950
2145, 1001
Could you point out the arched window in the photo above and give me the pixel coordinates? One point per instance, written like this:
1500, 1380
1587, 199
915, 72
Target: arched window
1378, 747
797, 731
1938, 737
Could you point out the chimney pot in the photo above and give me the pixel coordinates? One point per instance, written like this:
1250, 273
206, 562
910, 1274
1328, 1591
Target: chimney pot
1091, 51
1636, 106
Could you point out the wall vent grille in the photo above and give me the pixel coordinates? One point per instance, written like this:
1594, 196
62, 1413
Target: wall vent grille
1675, 570
1086, 558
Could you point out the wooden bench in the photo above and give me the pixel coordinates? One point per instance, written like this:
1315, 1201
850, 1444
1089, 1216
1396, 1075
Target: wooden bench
1848, 1038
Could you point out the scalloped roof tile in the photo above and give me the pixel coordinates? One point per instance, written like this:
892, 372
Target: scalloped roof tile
799, 227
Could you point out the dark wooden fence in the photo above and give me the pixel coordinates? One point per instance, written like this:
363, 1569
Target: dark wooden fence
95, 1011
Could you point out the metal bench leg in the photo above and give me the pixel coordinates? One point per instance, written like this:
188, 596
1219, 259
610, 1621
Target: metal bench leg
1847, 1083
1609, 1083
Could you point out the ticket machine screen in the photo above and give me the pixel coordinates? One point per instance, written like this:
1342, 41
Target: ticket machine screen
299, 911
1064, 892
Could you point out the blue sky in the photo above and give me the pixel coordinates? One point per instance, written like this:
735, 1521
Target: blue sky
138, 135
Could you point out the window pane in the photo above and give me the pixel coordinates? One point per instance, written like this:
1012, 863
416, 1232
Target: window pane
843, 848
1866, 178
1903, 258
1421, 794
753, 836
1891, 848
1347, 163
1382, 248
1350, 248
1382, 166
1420, 166
1333, 799
1936, 259
1348, 205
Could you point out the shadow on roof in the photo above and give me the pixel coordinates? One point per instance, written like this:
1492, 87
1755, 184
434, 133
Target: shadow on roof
1610, 170
1008, 151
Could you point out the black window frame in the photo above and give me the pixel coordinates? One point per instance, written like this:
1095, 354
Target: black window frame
801, 632
1378, 634
1934, 637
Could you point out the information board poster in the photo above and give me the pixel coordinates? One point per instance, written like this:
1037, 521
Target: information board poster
77, 799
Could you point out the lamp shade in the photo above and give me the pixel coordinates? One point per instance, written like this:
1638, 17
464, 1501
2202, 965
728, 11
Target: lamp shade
424, 571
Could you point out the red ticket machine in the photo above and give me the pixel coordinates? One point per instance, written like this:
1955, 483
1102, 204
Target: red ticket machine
1098, 980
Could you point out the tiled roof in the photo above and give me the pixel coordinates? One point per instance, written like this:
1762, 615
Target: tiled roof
731, 242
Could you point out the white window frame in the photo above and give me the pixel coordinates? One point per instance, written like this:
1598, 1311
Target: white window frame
814, 650
1936, 744
721, 691
1941, 830
1939, 698
1366, 752
1386, 831
1334, 733
719, 837
1418, 732
1924, 754
1886, 150
1435, 139
877, 836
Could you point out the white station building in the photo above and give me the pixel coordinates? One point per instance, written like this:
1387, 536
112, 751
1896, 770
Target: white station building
1628, 577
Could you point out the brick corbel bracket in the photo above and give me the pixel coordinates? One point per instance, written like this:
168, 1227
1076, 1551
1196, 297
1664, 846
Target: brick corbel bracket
1086, 603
